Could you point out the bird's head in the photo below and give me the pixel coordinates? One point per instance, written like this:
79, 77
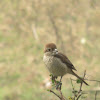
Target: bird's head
50, 49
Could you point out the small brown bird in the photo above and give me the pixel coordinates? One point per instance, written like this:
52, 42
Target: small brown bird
57, 63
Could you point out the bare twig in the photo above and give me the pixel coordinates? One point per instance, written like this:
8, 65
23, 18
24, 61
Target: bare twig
55, 94
72, 84
73, 88
53, 24
62, 97
79, 93
92, 80
96, 95
89, 80
78, 96
54, 82
80, 90
35, 33
55, 28
82, 82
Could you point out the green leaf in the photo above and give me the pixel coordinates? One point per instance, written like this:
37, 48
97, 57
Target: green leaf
57, 82
53, 81
78, 81
50, 75
48, 90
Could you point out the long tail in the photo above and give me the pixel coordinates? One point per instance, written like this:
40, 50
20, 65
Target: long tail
79, 77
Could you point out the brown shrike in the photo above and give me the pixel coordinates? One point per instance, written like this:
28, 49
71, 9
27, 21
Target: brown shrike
57, 63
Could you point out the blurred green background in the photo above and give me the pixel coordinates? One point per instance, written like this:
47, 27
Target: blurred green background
27, 25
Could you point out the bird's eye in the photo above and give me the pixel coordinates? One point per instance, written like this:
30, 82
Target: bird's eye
49, 49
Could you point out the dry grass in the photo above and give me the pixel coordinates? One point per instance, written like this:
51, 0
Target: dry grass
22, 71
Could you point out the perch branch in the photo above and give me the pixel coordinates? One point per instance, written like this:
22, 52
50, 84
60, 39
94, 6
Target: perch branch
55, 94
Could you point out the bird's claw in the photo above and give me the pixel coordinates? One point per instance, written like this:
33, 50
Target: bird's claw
58, 86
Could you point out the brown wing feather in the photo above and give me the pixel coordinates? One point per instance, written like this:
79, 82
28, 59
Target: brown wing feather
65, 60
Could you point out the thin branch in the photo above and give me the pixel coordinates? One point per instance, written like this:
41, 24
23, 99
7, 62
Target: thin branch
55, 94
62, 97
92, 80
53, 24
77, 94
96, 95
82, 82
59, 89
78, 97
80, 90
55, 28
61, 93
73, 88
89, 80
35, 33
72, 84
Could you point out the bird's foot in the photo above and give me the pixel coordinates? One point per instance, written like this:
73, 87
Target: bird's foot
53, 78
58, 85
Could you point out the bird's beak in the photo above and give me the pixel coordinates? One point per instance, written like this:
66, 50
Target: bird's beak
55, 51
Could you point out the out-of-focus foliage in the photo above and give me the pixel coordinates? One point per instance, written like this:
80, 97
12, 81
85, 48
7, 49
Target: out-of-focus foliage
27, 25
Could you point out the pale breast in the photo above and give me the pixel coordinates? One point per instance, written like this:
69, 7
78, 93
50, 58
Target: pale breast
55, 66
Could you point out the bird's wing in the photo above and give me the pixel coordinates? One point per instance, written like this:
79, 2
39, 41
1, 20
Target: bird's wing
65, 60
